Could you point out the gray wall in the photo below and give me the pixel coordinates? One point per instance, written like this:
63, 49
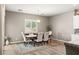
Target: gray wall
15, 24
62, 25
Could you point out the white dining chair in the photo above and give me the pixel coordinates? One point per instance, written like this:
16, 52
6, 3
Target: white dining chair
25, 39
46, 37
39, 38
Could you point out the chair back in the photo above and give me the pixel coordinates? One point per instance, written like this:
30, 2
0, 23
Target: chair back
46, 36
40, 37
23, 36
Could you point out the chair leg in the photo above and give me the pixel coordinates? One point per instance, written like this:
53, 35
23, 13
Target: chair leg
41, 43
44, 43
47, 42
38, 43
25, 44
34, 43
31, 43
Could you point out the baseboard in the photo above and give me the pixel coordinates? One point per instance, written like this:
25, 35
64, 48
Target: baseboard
16, 42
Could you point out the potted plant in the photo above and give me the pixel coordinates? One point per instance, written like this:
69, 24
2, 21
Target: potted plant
49, 29
7, 40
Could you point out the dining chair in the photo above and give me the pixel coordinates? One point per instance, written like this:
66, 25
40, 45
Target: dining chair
39, 39
25, 39
46, 37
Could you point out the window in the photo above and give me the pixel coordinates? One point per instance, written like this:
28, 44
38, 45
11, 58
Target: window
31, 26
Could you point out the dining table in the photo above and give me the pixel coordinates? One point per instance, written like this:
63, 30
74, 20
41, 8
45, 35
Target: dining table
30, 37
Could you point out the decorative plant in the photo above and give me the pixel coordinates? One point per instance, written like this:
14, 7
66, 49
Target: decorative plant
7, 39
49, 28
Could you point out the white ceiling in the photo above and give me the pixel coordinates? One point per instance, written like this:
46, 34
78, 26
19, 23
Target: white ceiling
41, 9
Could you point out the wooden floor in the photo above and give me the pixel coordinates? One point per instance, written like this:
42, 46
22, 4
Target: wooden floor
47, 50
55, 48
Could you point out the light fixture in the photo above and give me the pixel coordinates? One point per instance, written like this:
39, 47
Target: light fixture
38, 21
